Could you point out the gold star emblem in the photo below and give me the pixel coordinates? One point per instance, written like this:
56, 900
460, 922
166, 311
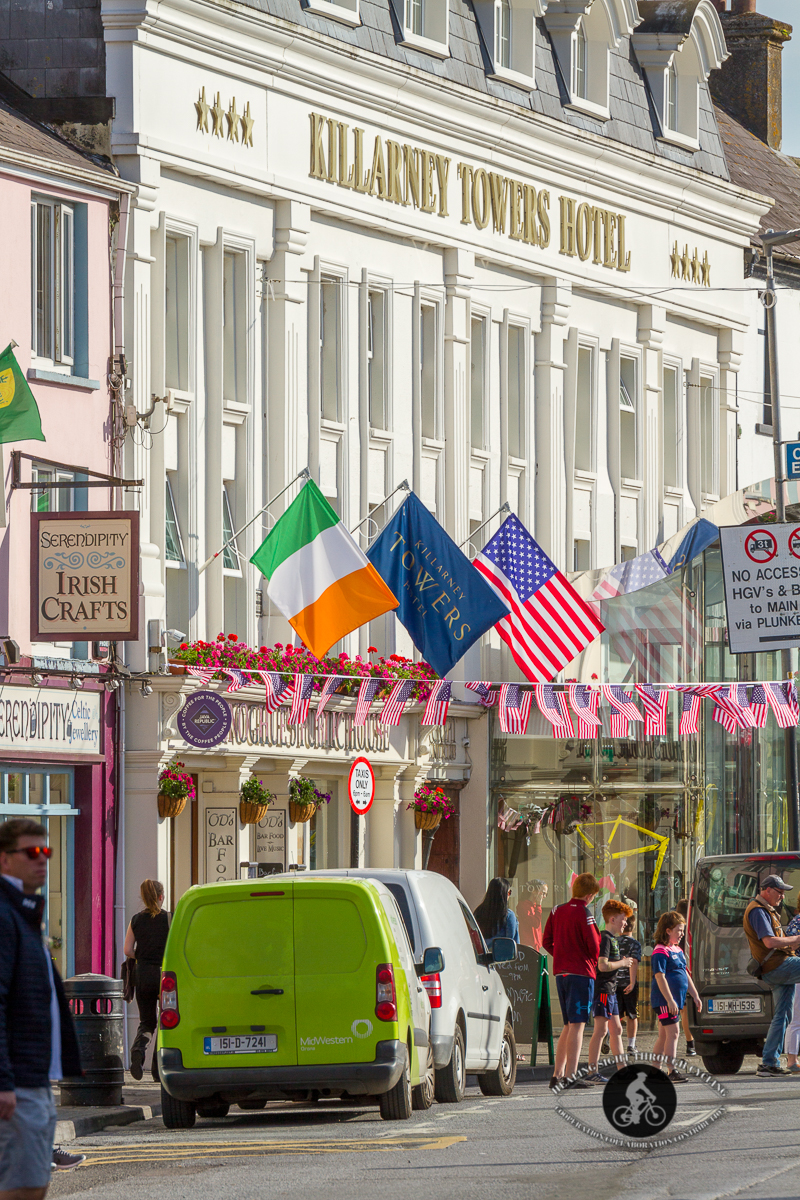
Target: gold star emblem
675, 261
686, 264
232, 117
247, 126
202, 108
705, 267
217, 115
695, 267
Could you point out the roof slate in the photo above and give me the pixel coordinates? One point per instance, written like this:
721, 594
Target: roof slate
20, 133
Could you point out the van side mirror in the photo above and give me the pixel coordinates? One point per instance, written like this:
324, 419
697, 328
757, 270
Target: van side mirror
504, 949
432, 961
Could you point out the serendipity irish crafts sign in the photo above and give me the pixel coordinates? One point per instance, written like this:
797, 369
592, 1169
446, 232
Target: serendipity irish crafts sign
84, 576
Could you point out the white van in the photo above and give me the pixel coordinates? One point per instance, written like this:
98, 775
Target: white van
471, 1027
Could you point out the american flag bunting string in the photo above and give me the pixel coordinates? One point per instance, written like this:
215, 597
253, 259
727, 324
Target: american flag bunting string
549, 624
438, 703
738, 695
395, 702
237, 680
204, 674
584, 701
276, 690
514, 707
487, 695
690, 713
758, 703
728, 710
623, 710
553, 706
654, 702
328, 688
366, 694
300, 700
782, 699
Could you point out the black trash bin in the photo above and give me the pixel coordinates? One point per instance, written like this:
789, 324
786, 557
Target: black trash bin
97, 1006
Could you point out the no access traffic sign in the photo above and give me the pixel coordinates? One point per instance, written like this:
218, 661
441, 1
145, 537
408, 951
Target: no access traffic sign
761, 569
361, 786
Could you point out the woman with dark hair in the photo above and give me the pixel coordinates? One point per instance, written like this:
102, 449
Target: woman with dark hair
494, 917
145, 942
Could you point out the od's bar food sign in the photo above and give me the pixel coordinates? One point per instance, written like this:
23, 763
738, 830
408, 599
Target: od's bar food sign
761, 568
85, 576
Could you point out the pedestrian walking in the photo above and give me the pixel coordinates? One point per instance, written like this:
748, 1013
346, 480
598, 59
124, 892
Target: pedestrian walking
572, 938
494, 917
779, 966
610, 967
682, 907
529, 913
37, 1036
628, 985
145, 941
671, 982
791, 1043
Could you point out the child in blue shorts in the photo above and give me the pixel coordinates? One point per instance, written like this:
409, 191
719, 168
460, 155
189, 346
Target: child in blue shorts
671, 982
611, 966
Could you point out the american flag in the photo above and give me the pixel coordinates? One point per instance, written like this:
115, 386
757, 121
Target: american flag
276, 690
553, 706
659, 639
631, 576
623, 710
328, 688
366, 694
488, 695
728, 710
237, 680
690, 713
300, 700
438, 703
758, 703
654, 701
395, 702
584, 701
204, 674
514, 708
549, 623
782, 699
508, 818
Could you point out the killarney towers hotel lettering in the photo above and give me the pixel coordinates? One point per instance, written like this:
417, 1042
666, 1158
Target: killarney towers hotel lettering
413, 176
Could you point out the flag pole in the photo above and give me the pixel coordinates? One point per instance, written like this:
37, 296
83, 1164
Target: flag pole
405, 486
504, 508
303, 474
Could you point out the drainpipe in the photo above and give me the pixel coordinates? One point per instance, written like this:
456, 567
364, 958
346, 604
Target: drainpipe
119, 906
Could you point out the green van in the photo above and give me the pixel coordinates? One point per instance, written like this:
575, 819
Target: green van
292, 988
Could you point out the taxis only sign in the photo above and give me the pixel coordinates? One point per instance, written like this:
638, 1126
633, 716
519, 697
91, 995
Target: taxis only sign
361, 786
761, 569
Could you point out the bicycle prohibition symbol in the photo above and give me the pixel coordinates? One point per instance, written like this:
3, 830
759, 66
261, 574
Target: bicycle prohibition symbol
639, 1100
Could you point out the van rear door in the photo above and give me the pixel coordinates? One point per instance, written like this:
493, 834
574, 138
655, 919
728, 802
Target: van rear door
240, 1009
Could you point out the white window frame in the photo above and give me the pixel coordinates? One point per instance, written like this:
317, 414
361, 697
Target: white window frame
436, 435
519, 67
345, 11
232, 550
59, 350
604, 24
592, 347
182, 319
523, 331
169, 503
377, 290
632, 405
434, 20
674, 364
709, 496
477, 316
332, 278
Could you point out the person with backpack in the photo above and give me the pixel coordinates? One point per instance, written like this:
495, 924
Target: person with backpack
145, 942
494, 917
778, 965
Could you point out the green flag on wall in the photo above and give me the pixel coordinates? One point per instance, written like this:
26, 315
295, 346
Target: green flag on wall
19, 412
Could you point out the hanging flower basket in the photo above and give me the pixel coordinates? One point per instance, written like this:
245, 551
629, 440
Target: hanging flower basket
254, 802
304, 799
427, 820
431, 806
175, 787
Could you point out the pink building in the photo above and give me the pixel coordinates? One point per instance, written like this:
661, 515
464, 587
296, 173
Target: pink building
62, 215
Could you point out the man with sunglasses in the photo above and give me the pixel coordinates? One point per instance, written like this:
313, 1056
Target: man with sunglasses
37, 1037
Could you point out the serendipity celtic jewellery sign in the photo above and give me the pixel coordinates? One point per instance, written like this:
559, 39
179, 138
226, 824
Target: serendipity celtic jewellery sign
84, 576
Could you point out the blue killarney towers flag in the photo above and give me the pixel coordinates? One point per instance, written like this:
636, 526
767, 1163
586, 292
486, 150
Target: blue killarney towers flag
445, 604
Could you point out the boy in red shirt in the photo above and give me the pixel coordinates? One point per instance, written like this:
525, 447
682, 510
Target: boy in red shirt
572, 937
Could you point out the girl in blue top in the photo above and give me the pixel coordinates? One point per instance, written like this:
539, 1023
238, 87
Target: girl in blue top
671, 982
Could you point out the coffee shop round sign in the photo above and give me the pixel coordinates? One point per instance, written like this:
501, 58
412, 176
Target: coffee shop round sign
204, 720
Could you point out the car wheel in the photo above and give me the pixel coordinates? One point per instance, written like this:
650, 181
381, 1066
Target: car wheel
450, 1082
500, 1081
727, 1061
176, 1114
395, 1105
212, 1108
422, 1096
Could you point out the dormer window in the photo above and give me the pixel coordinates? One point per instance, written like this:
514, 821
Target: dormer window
502, 33
509, 35
425, 25
584, 33
672, 97
414, 16
579, 63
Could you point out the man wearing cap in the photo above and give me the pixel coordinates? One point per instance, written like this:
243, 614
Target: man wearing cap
780, 968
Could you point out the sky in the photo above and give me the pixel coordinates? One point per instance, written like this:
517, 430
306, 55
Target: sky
788, 10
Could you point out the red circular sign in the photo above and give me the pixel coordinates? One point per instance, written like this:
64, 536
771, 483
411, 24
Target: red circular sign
361, 786
760, 546
794, 542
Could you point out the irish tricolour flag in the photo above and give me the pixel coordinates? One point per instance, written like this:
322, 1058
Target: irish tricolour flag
318, 577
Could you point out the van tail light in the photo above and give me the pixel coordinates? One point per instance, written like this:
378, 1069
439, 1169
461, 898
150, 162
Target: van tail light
689, 933
385, 995
433, 986
170, 1016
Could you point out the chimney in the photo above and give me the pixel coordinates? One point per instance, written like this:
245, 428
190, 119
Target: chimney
748, 85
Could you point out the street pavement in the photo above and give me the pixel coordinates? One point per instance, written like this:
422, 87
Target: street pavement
488, 1148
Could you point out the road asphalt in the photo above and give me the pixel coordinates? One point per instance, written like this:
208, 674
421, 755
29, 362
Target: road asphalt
485, 1147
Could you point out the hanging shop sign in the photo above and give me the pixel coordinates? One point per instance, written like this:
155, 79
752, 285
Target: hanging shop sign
361, 786
204, 720
761, 569
271, 840
50, 720
84, 576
